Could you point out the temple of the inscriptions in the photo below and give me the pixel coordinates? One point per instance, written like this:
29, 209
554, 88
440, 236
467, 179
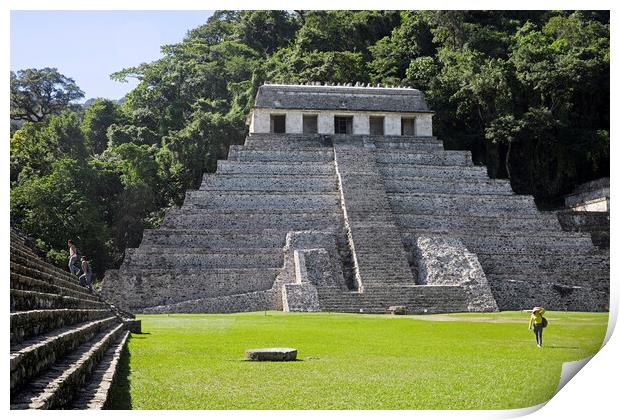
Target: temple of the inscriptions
342, 200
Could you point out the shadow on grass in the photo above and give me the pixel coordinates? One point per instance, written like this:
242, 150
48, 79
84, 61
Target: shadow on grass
120, 395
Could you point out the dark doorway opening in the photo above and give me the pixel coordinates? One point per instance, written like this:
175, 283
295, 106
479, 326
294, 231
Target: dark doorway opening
343, 125
278, 123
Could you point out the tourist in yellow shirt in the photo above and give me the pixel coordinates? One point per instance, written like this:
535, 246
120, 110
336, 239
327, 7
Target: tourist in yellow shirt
536, 321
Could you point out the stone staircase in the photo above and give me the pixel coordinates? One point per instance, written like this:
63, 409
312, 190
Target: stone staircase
381, 198
223, 249
65, 341
527, 258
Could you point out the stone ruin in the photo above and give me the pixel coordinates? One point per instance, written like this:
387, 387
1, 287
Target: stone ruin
342, 200
66, 342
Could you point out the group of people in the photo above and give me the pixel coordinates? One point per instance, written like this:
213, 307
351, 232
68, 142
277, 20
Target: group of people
87, 274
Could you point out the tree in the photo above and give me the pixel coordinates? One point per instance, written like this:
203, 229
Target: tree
36, 93
98, 116
266, 30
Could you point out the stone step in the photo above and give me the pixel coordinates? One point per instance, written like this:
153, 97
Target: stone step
421, 146
289, 138
275, 168
21, 245
241, 153
507, 263
269, 183
433, 203
18, 267
260, 200
27, 324
31, 261
26, 300
475, 223
262, 300
442, 186
593, 279
214, 238
57, 387
94, 394
429, 299
453, 172
436, 158
22, 282
149, 257
138, 288
31, 357
237, 219
532, 242
508, 293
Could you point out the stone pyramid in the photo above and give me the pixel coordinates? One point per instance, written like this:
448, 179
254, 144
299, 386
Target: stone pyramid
354, 222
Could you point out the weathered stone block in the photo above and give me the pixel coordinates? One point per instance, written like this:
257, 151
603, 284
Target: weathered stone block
279, 354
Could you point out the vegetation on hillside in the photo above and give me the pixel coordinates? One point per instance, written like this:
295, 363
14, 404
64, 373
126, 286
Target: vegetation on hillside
527, 92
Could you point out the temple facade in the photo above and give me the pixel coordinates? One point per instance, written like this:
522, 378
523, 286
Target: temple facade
318, 109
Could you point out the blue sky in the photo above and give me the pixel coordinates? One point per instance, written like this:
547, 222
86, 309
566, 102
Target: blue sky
89, 45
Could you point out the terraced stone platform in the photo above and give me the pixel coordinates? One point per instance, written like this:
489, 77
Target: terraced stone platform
357, 223
65, 340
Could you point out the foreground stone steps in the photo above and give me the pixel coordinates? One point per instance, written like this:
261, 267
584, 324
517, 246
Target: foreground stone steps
232, 167
274, 219
56, 388
22, 282
25, 300
94, 394
28, 266
30, 260
443, 172
58, 331
214, 238
260, 200
147, 257
434, 203
31, 357
27, 324
269, 183
188, 283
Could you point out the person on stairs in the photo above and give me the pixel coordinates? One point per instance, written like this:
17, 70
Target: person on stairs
87, 274
537, 322
73, 256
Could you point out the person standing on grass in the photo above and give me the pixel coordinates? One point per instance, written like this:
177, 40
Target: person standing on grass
72, 257
87, 274
537, 322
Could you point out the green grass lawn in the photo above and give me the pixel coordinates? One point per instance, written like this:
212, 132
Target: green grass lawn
350, 361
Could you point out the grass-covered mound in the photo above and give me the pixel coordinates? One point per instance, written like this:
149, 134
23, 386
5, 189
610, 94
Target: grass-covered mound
348, 361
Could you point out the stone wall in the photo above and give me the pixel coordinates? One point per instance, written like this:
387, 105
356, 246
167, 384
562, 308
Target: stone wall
260, 121
591, 196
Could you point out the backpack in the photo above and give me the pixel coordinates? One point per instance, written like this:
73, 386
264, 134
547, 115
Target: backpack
544, 322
